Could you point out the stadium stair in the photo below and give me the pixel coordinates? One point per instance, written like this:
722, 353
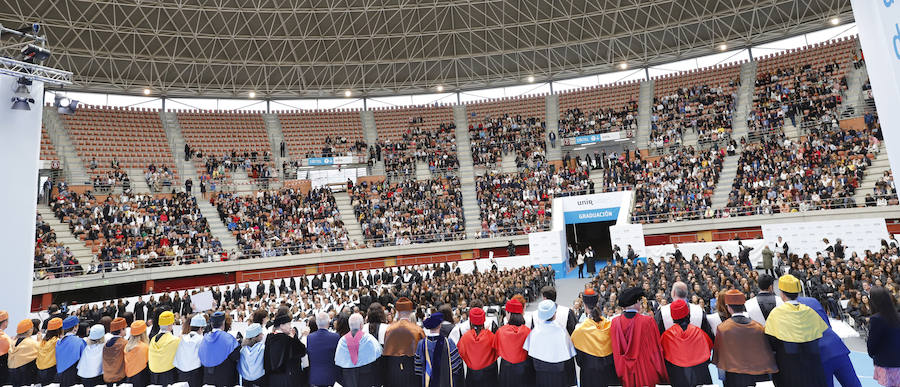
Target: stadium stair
242, 181
370, 134
422, 171
508, 163
853, 101
81, 251
645, 105
276, 137
138, 183
552, 120
743, 101
880, 164
216, 227
690, 138
466, 172
72, 164
348, 216
186, 169
726, 180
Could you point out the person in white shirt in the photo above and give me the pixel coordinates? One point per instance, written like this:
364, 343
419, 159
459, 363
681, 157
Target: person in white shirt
90, 366
187, 358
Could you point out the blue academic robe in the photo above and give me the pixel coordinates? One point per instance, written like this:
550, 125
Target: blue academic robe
321, 346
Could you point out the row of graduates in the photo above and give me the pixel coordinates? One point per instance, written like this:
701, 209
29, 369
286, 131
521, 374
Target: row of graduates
626, 350
629, 350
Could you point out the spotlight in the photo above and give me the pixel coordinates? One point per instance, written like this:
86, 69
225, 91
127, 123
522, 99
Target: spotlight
252, 94
835, 21
347, 93
146, 91
623, 65
65, 105
531, 79
723, 47
440, 88
34, 54
22, 103
22, 87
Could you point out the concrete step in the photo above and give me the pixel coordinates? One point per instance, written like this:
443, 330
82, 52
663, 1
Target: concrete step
216, 227
422, 171
726, 180
64, 236
348, 216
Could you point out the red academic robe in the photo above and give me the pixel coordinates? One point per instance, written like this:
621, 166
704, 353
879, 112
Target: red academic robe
637, 353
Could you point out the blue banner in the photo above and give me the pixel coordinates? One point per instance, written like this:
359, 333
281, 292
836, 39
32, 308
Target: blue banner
588, 139
593, 215
321, 160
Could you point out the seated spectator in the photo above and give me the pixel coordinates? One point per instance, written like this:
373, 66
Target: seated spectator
409, 211
276, 223
496, 137
575, 123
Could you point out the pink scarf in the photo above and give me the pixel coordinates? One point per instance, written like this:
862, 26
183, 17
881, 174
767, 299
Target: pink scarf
353, 344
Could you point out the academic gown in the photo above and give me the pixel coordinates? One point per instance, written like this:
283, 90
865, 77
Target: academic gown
5, 343
794, 331
637, 353
23, 362
281, 360
187, 361
46, 361
480, 356
218, 359
516, 368
161, 359
399, 354
68, 351
359, 365
550, 348
438, 363
686, 350
593, 347
742, 350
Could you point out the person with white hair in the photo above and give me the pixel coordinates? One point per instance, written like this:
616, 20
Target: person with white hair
663, 315
550, 347
356, 354
320, 348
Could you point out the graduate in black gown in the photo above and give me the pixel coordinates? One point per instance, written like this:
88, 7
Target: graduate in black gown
516, 368
283, 353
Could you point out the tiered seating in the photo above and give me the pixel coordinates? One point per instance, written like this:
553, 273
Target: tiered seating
283, 222
51, 258
701, 101
131, 231
48, 152
599, 109
393, 123
530, 106
818, 171
806, 82
520, 203
228, 139
318, 133
416, 133
409, 211
133, 137
675, 186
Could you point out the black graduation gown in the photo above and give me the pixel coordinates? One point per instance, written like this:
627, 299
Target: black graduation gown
281, 360
799, 364
69, 377
400, 371
25, 375
194, 378
688, 376
225, 374
365, 376
485, 377
743, 380
4, 369
550, 374
596, 371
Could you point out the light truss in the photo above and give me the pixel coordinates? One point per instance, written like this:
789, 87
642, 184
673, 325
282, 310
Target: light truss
320, 48
45, 74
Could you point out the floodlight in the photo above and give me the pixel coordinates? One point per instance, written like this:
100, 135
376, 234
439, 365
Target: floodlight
22, 103
22, 86
64, 105
34, 54
623, 65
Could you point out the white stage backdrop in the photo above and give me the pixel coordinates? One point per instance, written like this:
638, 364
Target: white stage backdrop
547, 247
21, 133
592, 208
856, 235
624, 234
879, 34
701, 248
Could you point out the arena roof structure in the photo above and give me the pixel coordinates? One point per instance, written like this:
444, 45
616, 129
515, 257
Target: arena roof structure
323, 48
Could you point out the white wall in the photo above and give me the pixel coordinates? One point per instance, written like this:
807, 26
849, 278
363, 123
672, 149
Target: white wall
21, 133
